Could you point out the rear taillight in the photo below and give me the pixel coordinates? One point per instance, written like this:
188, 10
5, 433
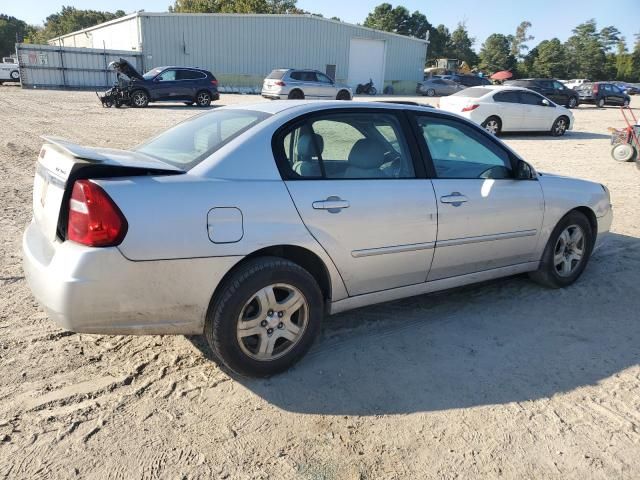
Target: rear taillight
470, 107
214, 83
94, 220
281, 84
595, 88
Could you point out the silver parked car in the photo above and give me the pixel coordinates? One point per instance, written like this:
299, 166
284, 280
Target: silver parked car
249, 223
294, 84
438, 87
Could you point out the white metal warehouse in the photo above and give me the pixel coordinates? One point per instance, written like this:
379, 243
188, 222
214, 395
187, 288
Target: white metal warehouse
242, 49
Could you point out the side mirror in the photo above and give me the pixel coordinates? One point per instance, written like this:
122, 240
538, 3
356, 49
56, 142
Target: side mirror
524, 171
545, 102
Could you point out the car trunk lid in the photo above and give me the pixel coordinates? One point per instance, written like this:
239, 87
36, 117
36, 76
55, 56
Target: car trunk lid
61, 163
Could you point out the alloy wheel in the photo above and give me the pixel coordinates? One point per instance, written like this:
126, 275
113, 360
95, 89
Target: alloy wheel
140, 99
492, 126
203, 99
561, 126
272, 322
569, 250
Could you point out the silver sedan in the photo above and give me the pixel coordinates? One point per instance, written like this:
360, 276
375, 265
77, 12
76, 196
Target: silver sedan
249, 224
438, 87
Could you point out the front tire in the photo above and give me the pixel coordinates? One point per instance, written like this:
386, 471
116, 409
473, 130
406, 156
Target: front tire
601, 102
560, 126
15, 75
431, 92
567, 252
573, 102
492, 125
265, 317
139, 99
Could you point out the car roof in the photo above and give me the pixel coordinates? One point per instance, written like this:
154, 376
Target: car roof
278, 106
181, 67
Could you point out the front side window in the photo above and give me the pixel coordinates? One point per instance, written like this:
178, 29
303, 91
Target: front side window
167, 76
459, 151
322, 78
346, 146
190, 142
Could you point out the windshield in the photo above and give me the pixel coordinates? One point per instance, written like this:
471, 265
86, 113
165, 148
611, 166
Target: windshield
190, 142
473, 92
152, 73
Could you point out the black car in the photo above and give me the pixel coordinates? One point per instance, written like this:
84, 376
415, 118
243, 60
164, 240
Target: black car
184, 84
603, 93
550, 88
471, 80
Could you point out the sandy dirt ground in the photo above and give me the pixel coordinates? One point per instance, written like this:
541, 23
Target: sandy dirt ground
505, 379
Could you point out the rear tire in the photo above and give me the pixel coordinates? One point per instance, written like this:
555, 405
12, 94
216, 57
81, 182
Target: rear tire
492, 125
240, 304
625, 103
431, 92
139, 99
560, 266
572, 103
15, 75
296, 95
601, 102
203, 98
343, 95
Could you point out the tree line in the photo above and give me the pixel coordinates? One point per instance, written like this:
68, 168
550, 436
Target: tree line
597, 54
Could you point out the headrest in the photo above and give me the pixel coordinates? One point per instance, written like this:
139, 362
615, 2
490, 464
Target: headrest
366, 153
308, 146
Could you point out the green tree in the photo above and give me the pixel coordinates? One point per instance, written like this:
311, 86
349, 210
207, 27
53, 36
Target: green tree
496, 55
398, 20
586, 52
461, 45
12, 30
71, 19
526, 68
609, 37
439, 41
519, 40
235, 6
551, 60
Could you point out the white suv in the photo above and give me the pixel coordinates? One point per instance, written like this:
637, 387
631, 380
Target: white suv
286, 83
9, 70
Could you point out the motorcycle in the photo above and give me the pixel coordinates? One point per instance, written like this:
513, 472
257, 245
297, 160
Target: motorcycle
366, 88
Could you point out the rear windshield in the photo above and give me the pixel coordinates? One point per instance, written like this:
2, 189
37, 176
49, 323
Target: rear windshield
473, 92
190, 142
276, 74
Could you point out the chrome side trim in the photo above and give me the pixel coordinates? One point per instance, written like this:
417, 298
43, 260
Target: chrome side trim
428, 287
368, 252
485, 238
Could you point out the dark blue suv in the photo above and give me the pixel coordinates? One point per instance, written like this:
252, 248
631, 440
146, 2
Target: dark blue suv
174, 84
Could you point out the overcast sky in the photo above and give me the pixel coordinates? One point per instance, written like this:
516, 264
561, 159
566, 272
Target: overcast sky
550, 18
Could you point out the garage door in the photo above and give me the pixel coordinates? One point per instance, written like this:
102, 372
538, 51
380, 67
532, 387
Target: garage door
366, 60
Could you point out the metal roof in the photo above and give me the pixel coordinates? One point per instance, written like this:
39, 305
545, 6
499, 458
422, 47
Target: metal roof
243, 15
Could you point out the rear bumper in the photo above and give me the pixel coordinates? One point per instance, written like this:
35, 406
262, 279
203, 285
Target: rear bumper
97, 290
274, 95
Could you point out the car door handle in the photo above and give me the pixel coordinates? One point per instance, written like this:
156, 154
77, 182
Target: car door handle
333, 204
456, 199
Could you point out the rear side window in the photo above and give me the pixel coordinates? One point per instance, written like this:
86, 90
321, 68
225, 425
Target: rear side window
190, 75
304, 76
345, 146
507, 97
529, 98
276, 74
458, 151
473, 92
190, 142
